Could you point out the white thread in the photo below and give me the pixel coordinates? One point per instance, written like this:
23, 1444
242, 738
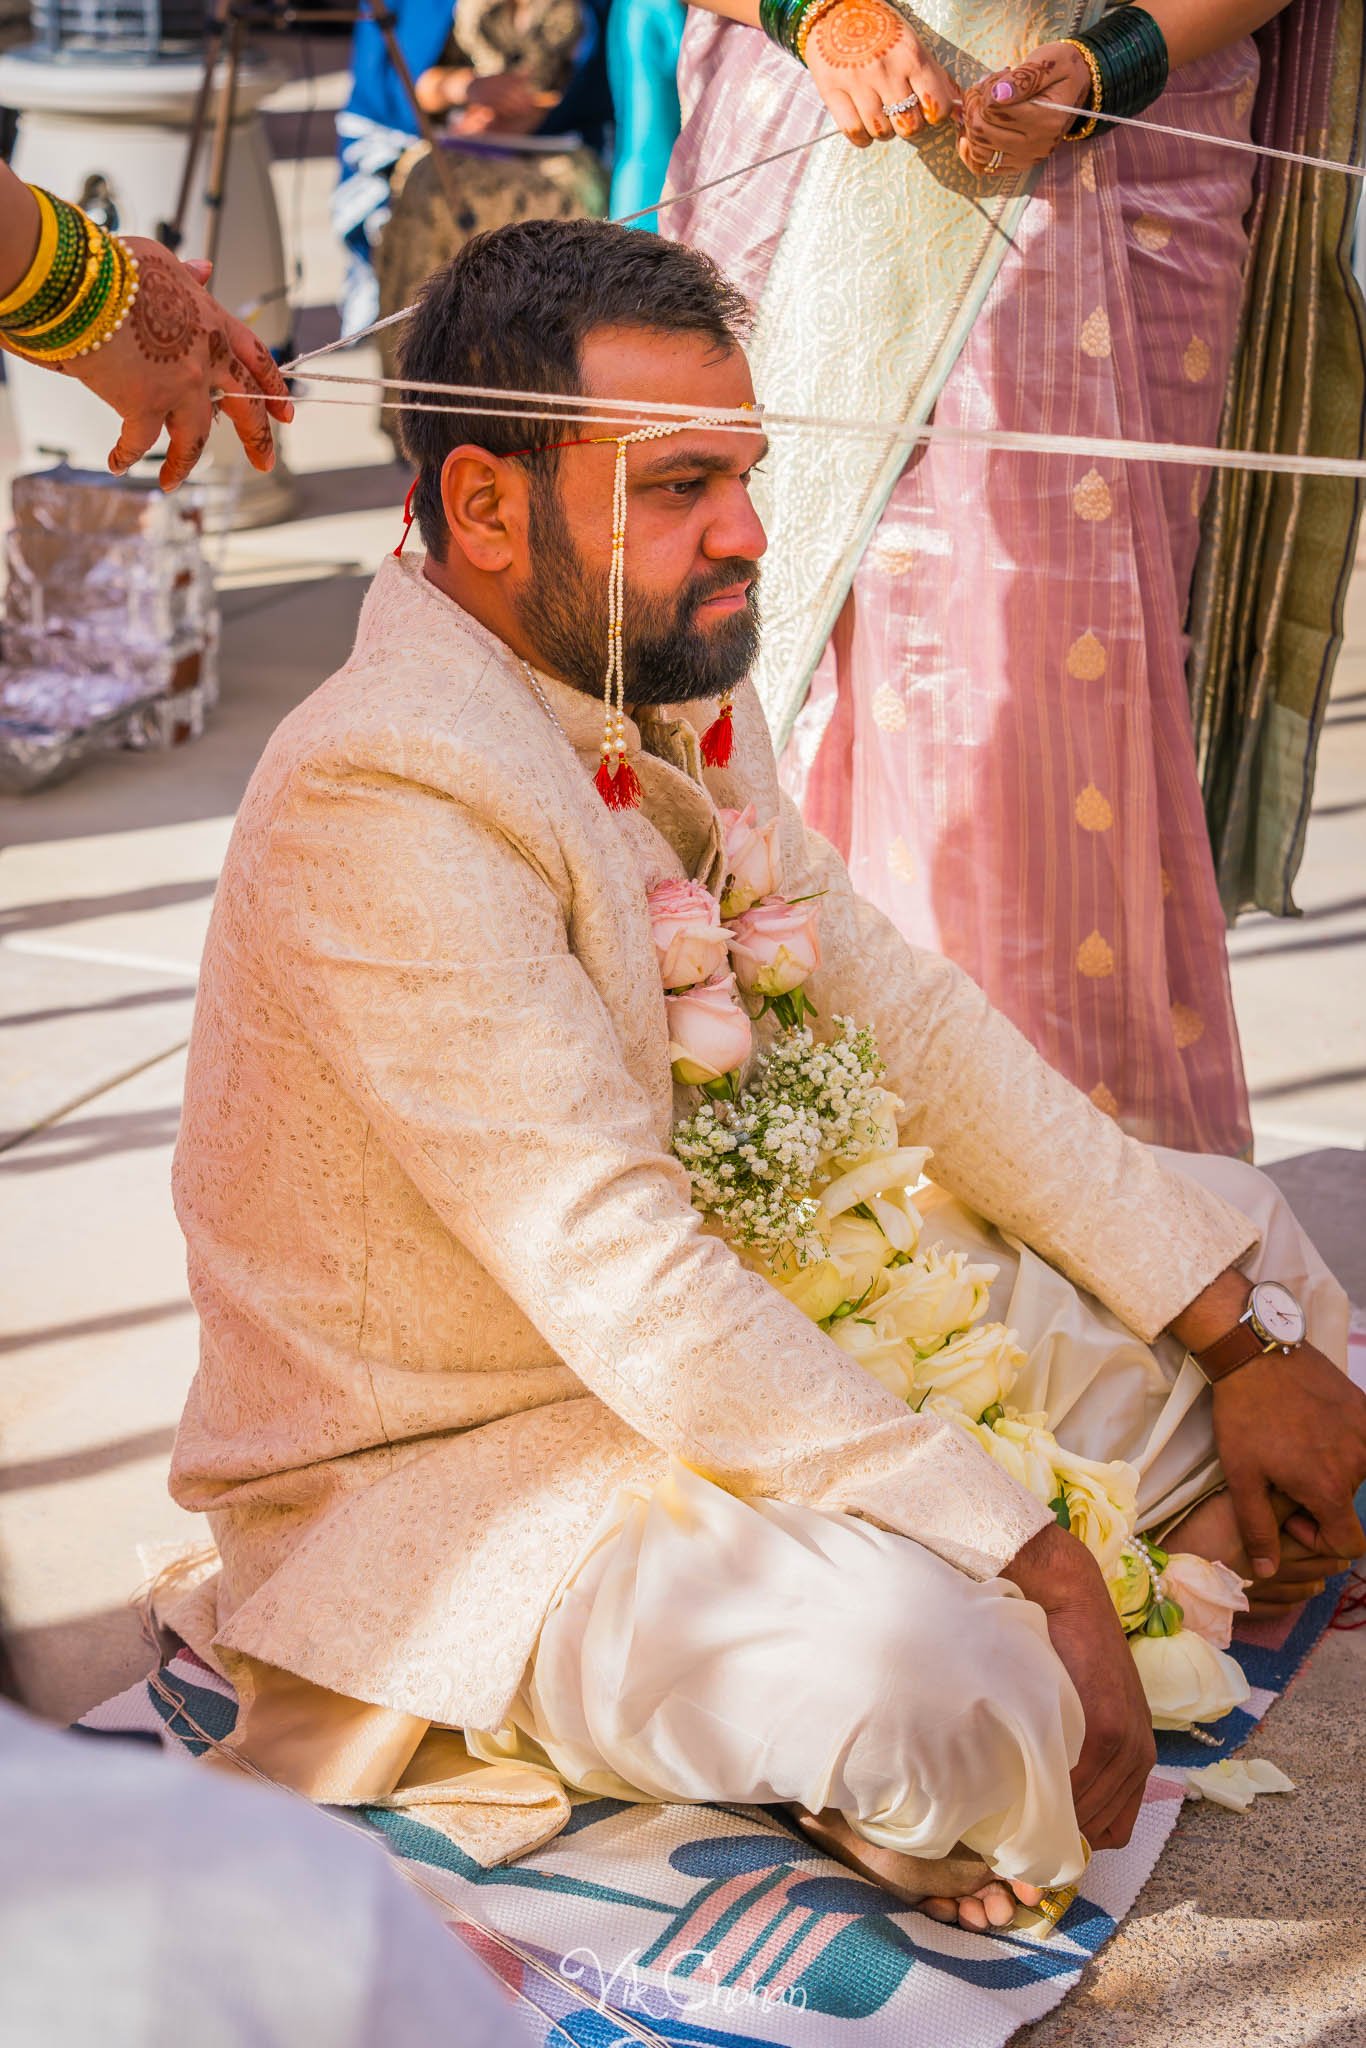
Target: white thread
1285, 156
1005, 441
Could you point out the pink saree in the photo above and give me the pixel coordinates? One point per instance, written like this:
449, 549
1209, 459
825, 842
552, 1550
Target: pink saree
998, 738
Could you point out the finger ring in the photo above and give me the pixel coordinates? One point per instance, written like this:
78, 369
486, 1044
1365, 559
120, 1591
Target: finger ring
906, 106
996, 160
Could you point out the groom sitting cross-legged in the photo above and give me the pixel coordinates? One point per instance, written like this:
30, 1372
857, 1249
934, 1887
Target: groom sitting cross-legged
521, 1477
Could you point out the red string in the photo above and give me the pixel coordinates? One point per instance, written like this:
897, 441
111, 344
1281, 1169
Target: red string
1353, 1602
585, 441
407, 516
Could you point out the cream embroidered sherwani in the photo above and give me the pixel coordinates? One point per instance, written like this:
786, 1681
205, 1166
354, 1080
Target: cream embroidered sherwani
452, 1292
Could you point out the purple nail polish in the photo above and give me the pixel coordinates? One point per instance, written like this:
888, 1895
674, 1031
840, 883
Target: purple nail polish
1003, 90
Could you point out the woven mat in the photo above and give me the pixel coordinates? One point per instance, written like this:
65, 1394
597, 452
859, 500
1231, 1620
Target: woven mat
716, 1928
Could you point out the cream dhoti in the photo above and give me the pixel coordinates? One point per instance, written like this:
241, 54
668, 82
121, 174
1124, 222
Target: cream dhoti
758, 1652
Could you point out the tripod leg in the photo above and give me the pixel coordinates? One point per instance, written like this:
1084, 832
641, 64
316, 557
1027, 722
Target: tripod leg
385, 21
222, 139
172, 232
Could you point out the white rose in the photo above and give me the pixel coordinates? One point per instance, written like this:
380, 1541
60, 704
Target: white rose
891, 1363
882, 1184
817, 1289
935, 1296
1102, 1504
861, 1249
975, 1371
1020, 1447
1208, 1594
1185, 1679
1131, 1588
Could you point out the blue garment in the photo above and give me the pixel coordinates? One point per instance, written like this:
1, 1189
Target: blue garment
643, 39
378, 124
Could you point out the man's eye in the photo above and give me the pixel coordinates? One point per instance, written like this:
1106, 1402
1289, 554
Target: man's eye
686, 488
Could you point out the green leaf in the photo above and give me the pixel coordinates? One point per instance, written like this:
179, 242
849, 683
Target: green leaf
1061, 1513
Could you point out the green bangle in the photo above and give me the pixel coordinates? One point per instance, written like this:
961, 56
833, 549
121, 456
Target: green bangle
83, 316
63, 279
781, 22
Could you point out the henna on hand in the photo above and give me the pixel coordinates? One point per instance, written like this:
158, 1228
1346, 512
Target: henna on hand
856, 32
165, 315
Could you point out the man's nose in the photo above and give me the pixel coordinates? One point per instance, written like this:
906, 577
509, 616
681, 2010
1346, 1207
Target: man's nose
737, 530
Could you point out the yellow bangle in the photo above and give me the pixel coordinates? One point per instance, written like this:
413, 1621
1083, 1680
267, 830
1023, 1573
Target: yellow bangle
1097, 91
42, 261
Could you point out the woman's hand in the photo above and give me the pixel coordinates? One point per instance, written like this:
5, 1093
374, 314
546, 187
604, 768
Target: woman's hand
864, 56
1003, 132
177, 346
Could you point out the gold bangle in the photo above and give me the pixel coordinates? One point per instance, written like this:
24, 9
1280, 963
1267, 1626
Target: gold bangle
808, 22
1097, 91
37, 271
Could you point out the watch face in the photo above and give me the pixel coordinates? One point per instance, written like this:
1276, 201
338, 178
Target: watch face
1277, 1314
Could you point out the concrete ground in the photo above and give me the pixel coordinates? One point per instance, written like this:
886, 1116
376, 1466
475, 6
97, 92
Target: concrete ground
1251, 1927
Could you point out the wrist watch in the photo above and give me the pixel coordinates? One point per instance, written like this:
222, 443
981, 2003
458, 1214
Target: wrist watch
1272, 1321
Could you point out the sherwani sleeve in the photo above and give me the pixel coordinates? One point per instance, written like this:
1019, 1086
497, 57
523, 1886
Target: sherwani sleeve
426, 955
1010, 1136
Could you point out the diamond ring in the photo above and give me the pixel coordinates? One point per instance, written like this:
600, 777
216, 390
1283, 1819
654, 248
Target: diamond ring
906, 106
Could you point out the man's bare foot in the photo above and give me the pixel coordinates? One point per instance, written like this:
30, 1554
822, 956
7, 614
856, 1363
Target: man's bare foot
1211, 1530
991, 1906
967, 1893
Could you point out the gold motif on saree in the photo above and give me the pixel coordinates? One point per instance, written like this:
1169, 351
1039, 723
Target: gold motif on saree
1196, 359
1086, 659
889, 713
1167, 883
1095, 958
1091, 497
1243, 98
1188, 1026
1092, 810
901, 861
1086, 174
1151, 232
1095, 334
1104, 1100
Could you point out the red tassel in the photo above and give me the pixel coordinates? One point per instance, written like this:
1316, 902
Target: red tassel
718, 739
619, 788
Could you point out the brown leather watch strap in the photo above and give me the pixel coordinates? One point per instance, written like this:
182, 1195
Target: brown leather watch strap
1238, 1346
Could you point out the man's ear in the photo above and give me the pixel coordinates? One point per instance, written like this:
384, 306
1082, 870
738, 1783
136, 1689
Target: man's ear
484, 500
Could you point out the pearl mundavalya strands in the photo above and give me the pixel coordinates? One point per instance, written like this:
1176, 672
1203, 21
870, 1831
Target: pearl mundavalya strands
617, 781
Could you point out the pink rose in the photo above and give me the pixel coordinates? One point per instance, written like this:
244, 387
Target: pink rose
774, 946
690, 940
751, 860
1208, 1594
709, 1034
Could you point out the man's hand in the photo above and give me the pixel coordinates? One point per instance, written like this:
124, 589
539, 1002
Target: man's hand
1296, 1425
175, 348
1059, 1573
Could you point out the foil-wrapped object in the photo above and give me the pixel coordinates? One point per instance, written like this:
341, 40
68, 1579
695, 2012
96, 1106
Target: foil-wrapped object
111, 632
80, 587
71, 502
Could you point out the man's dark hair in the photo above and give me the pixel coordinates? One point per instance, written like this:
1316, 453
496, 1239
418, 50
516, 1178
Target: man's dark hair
514, 308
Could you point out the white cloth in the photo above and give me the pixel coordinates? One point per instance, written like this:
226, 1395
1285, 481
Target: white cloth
145, 1903
759, 1651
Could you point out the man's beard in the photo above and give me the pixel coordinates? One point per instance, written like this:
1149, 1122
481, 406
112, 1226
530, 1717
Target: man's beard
667, 657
